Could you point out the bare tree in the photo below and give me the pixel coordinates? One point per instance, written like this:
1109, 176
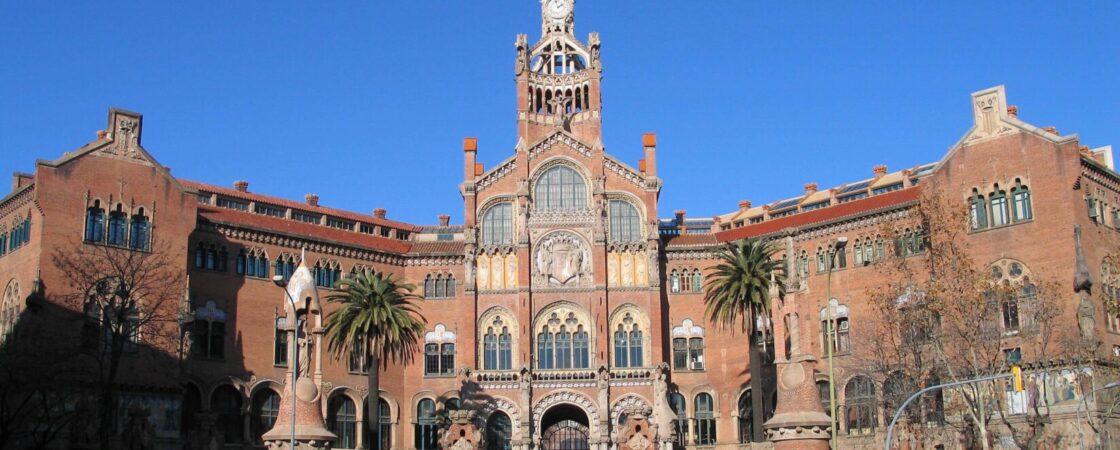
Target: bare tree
129, 301
942, 318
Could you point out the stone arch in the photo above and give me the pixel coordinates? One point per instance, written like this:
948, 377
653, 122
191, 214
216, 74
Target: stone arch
236, 383
9, 308
347, 391
499, 403
544, 167
394, 406
265, 384
629, 404
705, 388
566, 397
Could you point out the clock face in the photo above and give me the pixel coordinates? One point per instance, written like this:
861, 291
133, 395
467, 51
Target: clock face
557, 9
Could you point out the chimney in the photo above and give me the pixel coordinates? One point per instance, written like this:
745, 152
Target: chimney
810, 188
312, 199
379, 213
744, 205
880, 170
479, 169
241, 185
102, 134
1013, 111
642, 166
1052, 130
680, 219
649, 141
906, 177
470, 147
444, 220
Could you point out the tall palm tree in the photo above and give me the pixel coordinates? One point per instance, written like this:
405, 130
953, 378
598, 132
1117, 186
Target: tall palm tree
376, 315
737, 294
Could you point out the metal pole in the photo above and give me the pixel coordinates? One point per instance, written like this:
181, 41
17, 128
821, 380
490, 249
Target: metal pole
295, 360
830, 343
890, 428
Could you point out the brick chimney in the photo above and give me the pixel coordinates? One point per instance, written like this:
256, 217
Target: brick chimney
1052, 130
642, 166
649, 141
312, 199
470, 147
241, 185
810, 188
102, 134
379, 213
444, 220
479, 169
744, 205
680, 214
880, 170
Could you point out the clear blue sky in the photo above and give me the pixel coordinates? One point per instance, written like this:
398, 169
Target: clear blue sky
366, 102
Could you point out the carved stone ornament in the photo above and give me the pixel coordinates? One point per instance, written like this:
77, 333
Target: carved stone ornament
563, 259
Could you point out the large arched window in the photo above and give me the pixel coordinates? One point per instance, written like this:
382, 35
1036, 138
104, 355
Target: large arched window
746, 417
625, 225
117, 224
688, 346
9, 310
560, 188
385, 425
978, 211
497, 225
427, 426
266, 407
998, 203
95, 222
497, 349
705, 420
859, 406
226, 403
499, 430
628, 340
343, 420
439, 352
678, 404
563, 342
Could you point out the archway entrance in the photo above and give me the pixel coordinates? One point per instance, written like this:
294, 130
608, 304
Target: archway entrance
565, 428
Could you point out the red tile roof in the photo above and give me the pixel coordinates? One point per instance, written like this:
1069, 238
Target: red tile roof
297, 228
842, 210
438, 247
249, 196
683, 240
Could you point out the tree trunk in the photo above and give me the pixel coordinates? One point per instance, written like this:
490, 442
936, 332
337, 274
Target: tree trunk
373, 404
108, 391
758, 397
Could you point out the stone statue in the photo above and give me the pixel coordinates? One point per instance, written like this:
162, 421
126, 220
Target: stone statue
662, 411
1083, 286
305, 349
519, 65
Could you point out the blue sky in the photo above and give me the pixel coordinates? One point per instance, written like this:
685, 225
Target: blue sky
366, 102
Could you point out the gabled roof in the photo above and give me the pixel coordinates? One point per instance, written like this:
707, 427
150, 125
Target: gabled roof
296, 228
840, 211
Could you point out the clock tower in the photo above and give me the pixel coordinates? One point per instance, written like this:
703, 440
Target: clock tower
558, 78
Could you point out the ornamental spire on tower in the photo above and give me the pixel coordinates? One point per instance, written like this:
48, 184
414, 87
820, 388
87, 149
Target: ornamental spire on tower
557, 16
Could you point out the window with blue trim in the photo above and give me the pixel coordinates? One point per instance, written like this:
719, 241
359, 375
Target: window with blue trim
139, 236
117, 226
1021, 202
95, 223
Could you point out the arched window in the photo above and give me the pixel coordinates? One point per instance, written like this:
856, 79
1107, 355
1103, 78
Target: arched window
505, 350
9, 310
697, 281
563, 348
140, 234
625, 225
545, 349
343, 421
1021, 202
449, 285
803, 264
621, 347
977, 211
95, 223
822, 261
686, 281
385, 425
688, 346
490, 350
3, 241
674, 281
859, 406
677, 403
266, 407
635, 346
210, 332
746, 417
497, 225
998, 202
499, 429
841, 329
429, 286
563, 343
441, 289
427, 426
705, 420
357, 362
117, 224
226, 403
560, 188
285, 266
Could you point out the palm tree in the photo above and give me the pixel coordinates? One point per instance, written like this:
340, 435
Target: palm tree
737, 294
376, 315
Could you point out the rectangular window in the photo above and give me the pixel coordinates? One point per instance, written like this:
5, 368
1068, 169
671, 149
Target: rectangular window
447, 360
886, 189
203, 198
366, 228
680, 354
431, 359
357, 362
280, 345
859, 196
225, 202
341, 224
789, 212
268, 210
696, 353
813, 206
999, 211
306, 217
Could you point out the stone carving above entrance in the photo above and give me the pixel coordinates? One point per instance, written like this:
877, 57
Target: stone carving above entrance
562, 259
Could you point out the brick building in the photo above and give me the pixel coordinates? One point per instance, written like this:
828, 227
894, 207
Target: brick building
562, 296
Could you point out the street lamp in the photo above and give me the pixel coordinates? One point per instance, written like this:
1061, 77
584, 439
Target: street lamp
1084, 400
280, 281
841, 242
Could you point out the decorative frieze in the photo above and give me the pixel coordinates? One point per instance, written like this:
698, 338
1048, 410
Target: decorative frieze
497, 174
626, 173
261, 237
559, 138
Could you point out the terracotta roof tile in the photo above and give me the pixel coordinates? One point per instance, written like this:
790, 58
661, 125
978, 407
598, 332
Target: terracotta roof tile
297, 228
682, 240
833, 212
438, 247
234, 193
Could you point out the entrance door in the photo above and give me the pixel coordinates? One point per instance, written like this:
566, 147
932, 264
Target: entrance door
565, 435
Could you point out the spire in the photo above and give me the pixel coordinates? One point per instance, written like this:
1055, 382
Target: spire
558, 16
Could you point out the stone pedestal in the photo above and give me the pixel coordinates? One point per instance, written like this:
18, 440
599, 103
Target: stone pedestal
310, 431
799, 422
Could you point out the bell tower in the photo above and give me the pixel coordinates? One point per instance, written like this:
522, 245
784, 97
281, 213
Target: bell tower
558, 78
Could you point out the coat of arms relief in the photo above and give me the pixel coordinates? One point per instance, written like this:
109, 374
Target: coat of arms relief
563, 259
